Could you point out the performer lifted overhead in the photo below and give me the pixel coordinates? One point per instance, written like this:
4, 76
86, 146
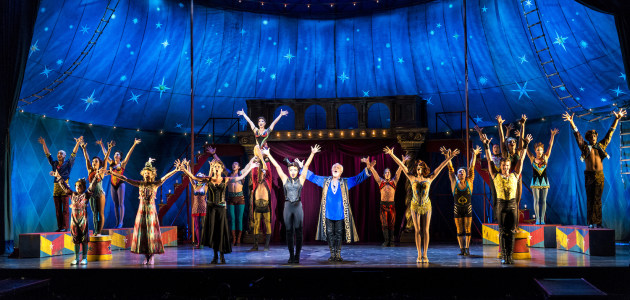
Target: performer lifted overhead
261, 133
593, 153
462, 187
147, 238
293, 213
505, 184
117, 188
387, 186
540, 182
421, 181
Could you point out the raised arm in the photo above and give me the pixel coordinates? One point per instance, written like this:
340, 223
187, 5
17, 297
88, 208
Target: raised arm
357, 179
309, 160
520, 168
110, 145
273, 124
100, 143
400, 164
443, 164
43, 142
471, 168
184, 167
244, 115
375, 174
399, 170
553, 135
508, 130
521, 138
486, 145
88, 164
124, 162
251, 165
273, 161
501, 135
451, 169
613, 126
135, 183
578, 137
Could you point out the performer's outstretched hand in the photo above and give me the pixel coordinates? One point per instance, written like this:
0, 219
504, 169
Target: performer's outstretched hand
476, 150
622, 113
42, 141
136, 141
554, 131
454, 153
523, 118
500, 119
299, 162
406, 158
211, 150
388, 150
479, 130
316, 148
284, 112
241, 112
100, 142
529, 138
111, 144
365, 160
265, 151
568, 117
509, 127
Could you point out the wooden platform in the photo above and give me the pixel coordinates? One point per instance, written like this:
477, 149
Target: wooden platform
45, 244
541, 236
591, 241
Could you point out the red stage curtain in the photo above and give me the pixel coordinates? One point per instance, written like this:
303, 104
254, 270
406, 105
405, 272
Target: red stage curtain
364, 198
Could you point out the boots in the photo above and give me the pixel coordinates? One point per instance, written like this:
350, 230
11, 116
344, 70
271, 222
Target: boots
255, 247
234, 237
238, 238
391, 238
290, 246
215, 258
338, 255
267, 240
386, 236
333, 256
222, 258
466, 251
298, 245
462, 252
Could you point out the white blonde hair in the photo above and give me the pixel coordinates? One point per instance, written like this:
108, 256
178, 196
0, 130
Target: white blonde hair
336, 164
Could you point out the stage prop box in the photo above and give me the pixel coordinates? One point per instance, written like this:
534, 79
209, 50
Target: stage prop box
541, 236
591, 241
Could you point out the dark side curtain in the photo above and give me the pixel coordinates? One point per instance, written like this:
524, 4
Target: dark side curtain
364, 198
621, 10
17, 22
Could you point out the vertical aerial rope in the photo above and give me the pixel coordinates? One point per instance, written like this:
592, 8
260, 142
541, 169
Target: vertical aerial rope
192, 103
466, 87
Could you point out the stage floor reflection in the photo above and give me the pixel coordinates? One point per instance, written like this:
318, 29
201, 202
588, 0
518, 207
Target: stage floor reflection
316, 256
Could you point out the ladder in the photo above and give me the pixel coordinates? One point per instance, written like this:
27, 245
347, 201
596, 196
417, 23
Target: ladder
545, 58
109, 11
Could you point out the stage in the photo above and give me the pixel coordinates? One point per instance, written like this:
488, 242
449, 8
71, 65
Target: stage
368, 271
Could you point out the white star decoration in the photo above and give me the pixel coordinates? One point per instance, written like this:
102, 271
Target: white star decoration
456, 36
623, 75
165, 43
289, 56
90, 100
59, 107
560, 41
135, 20
263, 69
523, 59
528, 3
158, 25
33, 48
134, 97
400, 60
366, 93
581, 89
208, 61
429, 101
178, 125
162, 88
243, 32
343, 77
522, 90
60, 61
46, 71
273, 76
478, 119
438, 25
84, 29
484, 9
483, 80
618, 91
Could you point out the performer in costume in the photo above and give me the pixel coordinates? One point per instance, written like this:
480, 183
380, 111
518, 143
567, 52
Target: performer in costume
78, 223
261, 133
335, 215
97, 199
387, 186
495, 162
260, 205
147, 238
462, 187
506, 186
63, 167
421, 204
540, 182
512, 149
293, 213
198, 211
117, 187
593, 153
215, 230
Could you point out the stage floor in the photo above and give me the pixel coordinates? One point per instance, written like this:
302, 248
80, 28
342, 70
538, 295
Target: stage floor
367, 272
316, 256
